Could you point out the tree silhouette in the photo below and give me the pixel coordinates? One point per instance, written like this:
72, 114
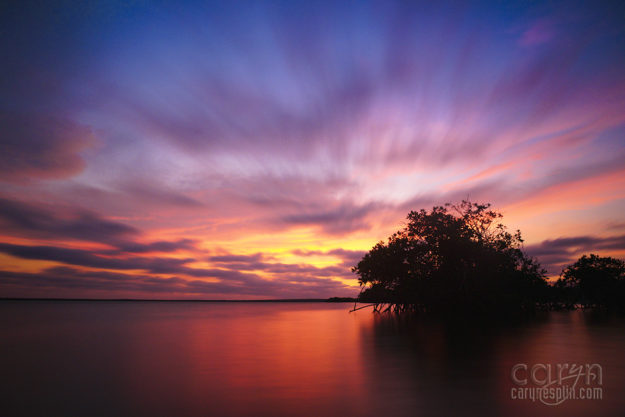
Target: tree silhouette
453, 259
594, 281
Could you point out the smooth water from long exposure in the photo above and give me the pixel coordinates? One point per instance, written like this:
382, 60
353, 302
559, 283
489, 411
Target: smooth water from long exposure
286, 359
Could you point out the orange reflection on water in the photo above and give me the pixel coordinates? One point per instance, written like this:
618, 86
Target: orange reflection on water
233, 360
287, 359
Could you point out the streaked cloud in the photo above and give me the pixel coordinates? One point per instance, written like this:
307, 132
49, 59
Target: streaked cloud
41, 147
558, 253
228, 150
31, 220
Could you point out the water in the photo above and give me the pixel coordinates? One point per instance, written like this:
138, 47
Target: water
286, 359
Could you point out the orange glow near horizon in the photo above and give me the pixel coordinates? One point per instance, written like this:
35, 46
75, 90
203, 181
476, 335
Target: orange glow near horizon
261, 155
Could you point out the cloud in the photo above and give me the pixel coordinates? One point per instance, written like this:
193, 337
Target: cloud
349, 257
41, 147
63, 280
230, 258
287, 271
158, 194
343, 218
556, 253
41, 221
157, 246
58, 279
615, 225
86, 258
307, 118
229, 267
29, 219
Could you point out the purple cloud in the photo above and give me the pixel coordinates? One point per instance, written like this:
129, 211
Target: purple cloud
27, 219
63, 280
555, 254
216, 128
41, 147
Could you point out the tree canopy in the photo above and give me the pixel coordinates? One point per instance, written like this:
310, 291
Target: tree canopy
594, 281
452, 259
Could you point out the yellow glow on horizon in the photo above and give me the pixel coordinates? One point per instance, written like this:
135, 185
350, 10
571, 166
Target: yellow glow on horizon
27, 266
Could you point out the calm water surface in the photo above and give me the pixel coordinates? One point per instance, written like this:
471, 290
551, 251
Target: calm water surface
286, 359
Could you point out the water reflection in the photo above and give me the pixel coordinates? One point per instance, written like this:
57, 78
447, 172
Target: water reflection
279, 359
430, 367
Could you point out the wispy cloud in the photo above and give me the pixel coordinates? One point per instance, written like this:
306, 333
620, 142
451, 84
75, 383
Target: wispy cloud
260, 152
558, 253
28, 219
41, 147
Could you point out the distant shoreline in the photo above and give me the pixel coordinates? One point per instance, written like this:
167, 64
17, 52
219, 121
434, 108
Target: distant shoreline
285, 300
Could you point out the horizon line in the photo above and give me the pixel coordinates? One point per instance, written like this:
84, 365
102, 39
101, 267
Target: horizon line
264, 300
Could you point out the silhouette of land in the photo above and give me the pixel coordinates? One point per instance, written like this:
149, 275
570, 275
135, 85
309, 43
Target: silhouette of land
459, 259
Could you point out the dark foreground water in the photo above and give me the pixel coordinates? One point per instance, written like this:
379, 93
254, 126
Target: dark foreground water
289, 359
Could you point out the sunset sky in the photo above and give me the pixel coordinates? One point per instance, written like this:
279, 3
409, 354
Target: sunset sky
257, 149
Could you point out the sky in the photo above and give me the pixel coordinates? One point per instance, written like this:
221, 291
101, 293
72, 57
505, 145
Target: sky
256, 150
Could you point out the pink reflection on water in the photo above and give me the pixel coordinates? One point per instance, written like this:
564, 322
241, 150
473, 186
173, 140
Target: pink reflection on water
233, 361
285, 359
